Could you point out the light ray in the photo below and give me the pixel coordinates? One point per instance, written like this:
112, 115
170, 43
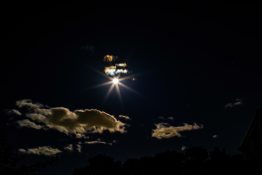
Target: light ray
119, 93
128, 88
109, 92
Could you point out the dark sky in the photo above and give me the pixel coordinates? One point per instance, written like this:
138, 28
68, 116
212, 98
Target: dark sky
191, 61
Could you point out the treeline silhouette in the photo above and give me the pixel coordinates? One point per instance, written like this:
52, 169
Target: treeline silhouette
195, 160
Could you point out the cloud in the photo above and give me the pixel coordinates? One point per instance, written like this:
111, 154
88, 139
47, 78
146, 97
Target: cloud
69, 148
77, 123
171, 118
215, 136
109, 58
183, 148
165, 131
235, 103
42, 150
124, 117
166, 118
98, 141
79, 147
114, 66
95, 142
14, 112
28, 124
28, 103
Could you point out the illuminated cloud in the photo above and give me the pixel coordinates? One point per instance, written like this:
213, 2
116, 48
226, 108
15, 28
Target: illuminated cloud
77, 123
110, 70
124, 117
28, 124
121, 71
69, 148
79, 147
121, 65
95, 142
28, 103
109, 58
42, 150
165, 131
99, 141
14, 112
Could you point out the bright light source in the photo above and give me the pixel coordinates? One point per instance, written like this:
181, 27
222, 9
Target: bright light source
115, 81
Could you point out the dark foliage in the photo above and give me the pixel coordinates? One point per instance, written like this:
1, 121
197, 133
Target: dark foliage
191, 161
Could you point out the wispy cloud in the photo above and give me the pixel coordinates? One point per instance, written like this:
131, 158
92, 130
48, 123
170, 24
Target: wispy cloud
14, 112
98, 141
166, 118
69, 148
124, 117
43, 150
165, 131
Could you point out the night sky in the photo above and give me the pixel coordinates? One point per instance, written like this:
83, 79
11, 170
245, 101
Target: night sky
197, 64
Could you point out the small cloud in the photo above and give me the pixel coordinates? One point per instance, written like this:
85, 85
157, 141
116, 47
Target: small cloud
124, 117
171, 118
43, 150
93, 142
28, 104
237, 102
14, 112
214, 136
69, 148
28, 124
165, 131
166, 118
183, 148
79, 147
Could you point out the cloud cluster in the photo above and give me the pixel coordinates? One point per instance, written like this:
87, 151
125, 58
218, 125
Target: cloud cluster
42, 150
165, 131
77, 123
114, 66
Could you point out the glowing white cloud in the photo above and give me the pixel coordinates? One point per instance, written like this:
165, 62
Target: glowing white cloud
77, 123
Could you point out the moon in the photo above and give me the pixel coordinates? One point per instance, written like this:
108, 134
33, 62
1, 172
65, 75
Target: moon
115, 81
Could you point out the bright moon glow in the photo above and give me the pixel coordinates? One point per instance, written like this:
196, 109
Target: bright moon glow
115, 81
